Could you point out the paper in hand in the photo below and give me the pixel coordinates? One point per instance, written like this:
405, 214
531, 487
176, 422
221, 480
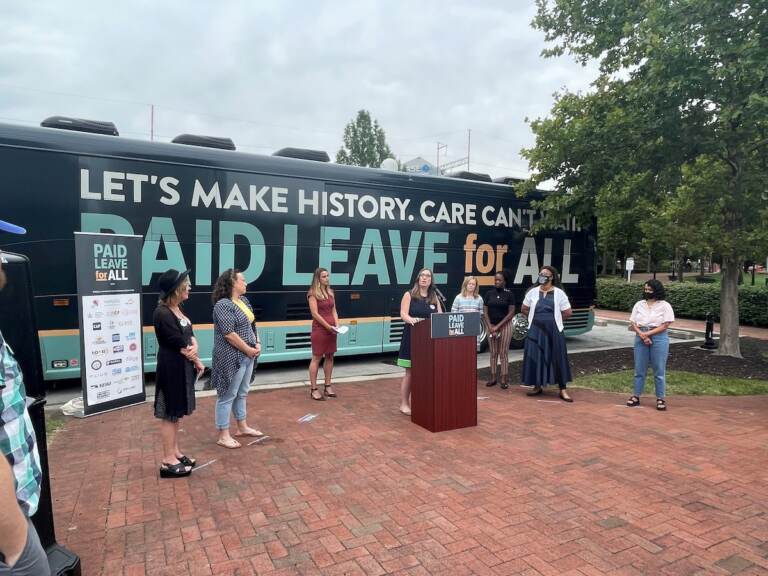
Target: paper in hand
341, 329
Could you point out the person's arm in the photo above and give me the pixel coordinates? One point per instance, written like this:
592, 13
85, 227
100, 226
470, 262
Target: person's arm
455, 305
490, 327
335, 312
565, 306
405, 306
440, 305
316, 315
236, 342
13, 524
508, 317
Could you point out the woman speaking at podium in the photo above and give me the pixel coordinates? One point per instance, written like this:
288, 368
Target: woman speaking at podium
417, 304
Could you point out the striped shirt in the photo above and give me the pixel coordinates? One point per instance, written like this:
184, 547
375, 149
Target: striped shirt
467, 304
17, 437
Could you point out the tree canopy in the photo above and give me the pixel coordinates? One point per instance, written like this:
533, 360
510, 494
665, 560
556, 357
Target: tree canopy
670, 145
365, 143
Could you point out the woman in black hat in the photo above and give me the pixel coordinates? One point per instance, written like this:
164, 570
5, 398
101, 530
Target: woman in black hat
177, 368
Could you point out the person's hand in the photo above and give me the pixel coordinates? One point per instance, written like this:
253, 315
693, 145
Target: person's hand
193, 348
199, 367
647, 340
186, 352
257, 349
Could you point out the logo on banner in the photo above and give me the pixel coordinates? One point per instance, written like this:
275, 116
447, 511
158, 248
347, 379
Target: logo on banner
110, 262
114, 361
116, 337
97, 325
96, 365
132, 347
118, 349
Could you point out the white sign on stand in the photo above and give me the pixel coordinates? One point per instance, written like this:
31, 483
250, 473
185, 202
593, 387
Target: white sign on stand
629, 266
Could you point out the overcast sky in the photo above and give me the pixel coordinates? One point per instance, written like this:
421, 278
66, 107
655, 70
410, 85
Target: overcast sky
271, 74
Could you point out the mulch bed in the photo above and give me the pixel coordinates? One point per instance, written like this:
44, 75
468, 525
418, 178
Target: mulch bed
685, 356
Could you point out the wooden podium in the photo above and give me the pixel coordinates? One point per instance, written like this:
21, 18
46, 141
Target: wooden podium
443, 376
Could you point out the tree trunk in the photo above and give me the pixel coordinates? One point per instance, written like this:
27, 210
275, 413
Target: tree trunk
729, 308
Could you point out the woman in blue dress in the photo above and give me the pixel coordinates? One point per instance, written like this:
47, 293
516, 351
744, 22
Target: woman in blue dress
418, 303
545, 357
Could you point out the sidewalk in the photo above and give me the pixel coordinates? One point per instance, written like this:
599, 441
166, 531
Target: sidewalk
683, 324
538, 488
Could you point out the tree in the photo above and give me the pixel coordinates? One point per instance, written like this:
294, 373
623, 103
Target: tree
676, 125
365, 143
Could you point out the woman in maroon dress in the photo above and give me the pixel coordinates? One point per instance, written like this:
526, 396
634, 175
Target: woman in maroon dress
325, 324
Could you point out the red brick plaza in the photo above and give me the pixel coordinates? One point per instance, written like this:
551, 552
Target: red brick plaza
537, 488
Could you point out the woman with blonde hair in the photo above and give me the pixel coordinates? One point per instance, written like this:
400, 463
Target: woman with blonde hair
468, 300
178, 366
325, 323
418, 303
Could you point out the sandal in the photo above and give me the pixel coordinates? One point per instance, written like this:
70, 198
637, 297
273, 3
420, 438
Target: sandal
174, 470
633, 401
326, 393
312, 394
250, 432
504, 385
191, 462
491, 383
232, 444
661, 404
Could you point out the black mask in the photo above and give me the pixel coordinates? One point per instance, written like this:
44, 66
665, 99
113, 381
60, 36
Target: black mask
543, 279
649, 295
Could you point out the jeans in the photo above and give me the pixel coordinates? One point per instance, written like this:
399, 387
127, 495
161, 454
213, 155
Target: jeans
655, 354
233, 400
33, 560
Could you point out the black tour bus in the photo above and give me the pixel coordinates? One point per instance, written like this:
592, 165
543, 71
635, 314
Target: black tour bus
201, 205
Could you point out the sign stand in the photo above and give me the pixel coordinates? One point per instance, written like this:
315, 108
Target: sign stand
109, 298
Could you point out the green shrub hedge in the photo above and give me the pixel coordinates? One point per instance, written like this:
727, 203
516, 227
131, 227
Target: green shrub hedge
688, 299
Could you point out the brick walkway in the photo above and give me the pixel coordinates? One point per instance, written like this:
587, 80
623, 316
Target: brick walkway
685, 324
538, 488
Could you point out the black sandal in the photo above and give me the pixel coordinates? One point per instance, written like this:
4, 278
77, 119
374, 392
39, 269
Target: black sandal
174, 470
661, 404
187, 461
490, 383
326, 393
504, 385
633, 401
312, 394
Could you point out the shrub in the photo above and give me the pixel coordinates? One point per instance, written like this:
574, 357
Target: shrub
688, 299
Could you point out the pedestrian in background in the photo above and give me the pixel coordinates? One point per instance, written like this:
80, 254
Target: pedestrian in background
545, 355
178, 367
499, 310
236, 346
650, 320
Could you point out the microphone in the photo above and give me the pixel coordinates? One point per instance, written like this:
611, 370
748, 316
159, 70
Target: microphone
439, 294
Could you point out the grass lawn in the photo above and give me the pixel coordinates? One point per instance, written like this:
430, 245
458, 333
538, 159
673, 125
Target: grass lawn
677, 383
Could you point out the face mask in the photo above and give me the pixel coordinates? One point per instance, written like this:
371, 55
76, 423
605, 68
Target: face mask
648, 295
543, 278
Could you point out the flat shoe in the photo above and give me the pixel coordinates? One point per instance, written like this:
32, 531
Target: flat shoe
535, 392
174, 470
565, 398
231, 445
251, 432
406, 411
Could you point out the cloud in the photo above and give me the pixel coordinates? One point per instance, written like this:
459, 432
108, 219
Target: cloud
270, 74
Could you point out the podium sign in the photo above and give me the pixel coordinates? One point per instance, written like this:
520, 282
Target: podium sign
109, 295
444, 373
455, 324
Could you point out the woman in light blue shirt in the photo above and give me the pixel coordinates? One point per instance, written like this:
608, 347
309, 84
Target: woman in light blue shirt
468, 300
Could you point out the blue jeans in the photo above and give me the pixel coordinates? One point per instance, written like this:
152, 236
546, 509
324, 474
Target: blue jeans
655, 354
233, 400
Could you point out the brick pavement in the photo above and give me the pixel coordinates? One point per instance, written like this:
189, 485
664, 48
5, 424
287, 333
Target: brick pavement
539, 488
686, 324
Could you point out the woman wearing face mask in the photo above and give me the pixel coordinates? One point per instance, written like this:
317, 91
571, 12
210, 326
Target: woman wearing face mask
545, 357
418, 303
498, 312
650, 319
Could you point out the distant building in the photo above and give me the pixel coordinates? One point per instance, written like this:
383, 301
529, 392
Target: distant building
420, 166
